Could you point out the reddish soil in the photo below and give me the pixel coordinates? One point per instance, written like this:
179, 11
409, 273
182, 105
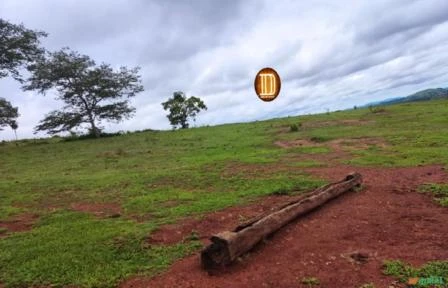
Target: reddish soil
22, 222
336, 145
343, 243
346, 122
98, 209
211, 223
340, 149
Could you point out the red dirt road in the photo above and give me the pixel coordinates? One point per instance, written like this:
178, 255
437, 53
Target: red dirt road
388, 219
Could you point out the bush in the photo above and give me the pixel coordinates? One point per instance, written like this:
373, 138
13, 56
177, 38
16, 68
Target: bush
294, 128
75, 137
377, 109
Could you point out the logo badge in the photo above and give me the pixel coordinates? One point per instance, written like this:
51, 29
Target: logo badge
267, 84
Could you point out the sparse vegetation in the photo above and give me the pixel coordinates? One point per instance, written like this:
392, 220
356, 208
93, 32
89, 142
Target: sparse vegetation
376, 109
367, 285
403, 271
194, 236
440, 192
310, 281
319, 139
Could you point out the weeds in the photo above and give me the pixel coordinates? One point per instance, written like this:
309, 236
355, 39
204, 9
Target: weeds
294, 127
310, 281
403, 271
440, 192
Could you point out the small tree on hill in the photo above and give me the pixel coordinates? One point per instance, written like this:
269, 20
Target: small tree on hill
8, 115
181, 108
19, 46
91, 93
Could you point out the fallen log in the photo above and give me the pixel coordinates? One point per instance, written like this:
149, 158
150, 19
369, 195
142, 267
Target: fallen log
227, 246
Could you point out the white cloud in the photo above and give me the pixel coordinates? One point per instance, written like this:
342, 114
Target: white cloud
329, 54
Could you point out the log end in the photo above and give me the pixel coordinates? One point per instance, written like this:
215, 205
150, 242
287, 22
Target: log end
217, 253
354, 177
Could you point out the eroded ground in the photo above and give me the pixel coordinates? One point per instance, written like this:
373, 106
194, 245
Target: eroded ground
388, 219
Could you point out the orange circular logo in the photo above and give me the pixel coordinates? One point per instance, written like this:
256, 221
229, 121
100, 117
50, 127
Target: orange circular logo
267, 84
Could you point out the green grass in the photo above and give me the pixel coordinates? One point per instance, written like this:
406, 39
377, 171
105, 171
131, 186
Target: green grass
415, 133
403, 271
74, 248
163, 176
440, 192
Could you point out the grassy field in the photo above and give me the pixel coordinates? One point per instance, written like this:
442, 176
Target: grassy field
159, 177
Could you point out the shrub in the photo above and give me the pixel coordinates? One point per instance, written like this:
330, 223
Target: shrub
376, 109
294, 128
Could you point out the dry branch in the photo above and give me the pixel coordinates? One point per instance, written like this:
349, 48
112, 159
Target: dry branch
229, 245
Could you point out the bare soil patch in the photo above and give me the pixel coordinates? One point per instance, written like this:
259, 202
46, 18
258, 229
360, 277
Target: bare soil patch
98, 209
297, 143
343, 244
209, 224
340, 148
317, 124
336, 145
346, 122
22, 222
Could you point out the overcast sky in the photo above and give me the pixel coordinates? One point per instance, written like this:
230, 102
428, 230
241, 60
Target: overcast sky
329, 54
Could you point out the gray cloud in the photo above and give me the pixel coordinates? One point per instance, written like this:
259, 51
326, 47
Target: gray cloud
330, 55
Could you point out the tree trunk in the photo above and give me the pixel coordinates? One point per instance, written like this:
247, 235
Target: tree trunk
95, 130
229, 245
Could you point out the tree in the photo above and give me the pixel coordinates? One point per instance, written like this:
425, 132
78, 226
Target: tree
91, 93
181, 108
8, 115
18, 46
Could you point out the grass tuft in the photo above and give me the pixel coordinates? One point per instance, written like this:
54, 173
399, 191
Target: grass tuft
310, 281
440, 192
403, 271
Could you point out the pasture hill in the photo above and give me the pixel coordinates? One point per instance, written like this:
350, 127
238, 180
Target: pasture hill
424, 95
134, 210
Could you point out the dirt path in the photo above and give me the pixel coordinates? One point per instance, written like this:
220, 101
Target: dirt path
387, 220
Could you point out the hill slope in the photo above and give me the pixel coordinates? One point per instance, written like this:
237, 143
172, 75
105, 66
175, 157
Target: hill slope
84, 213
424, 95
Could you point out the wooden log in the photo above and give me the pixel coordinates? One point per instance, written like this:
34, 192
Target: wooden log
227, 246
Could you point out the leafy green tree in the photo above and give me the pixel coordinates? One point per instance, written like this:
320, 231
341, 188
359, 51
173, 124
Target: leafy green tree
91, 93
181, 108
19, 46
8, 115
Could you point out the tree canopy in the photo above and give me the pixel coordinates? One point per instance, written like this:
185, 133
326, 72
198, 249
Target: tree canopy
19, 46
91, 93
8, 114
181, 108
